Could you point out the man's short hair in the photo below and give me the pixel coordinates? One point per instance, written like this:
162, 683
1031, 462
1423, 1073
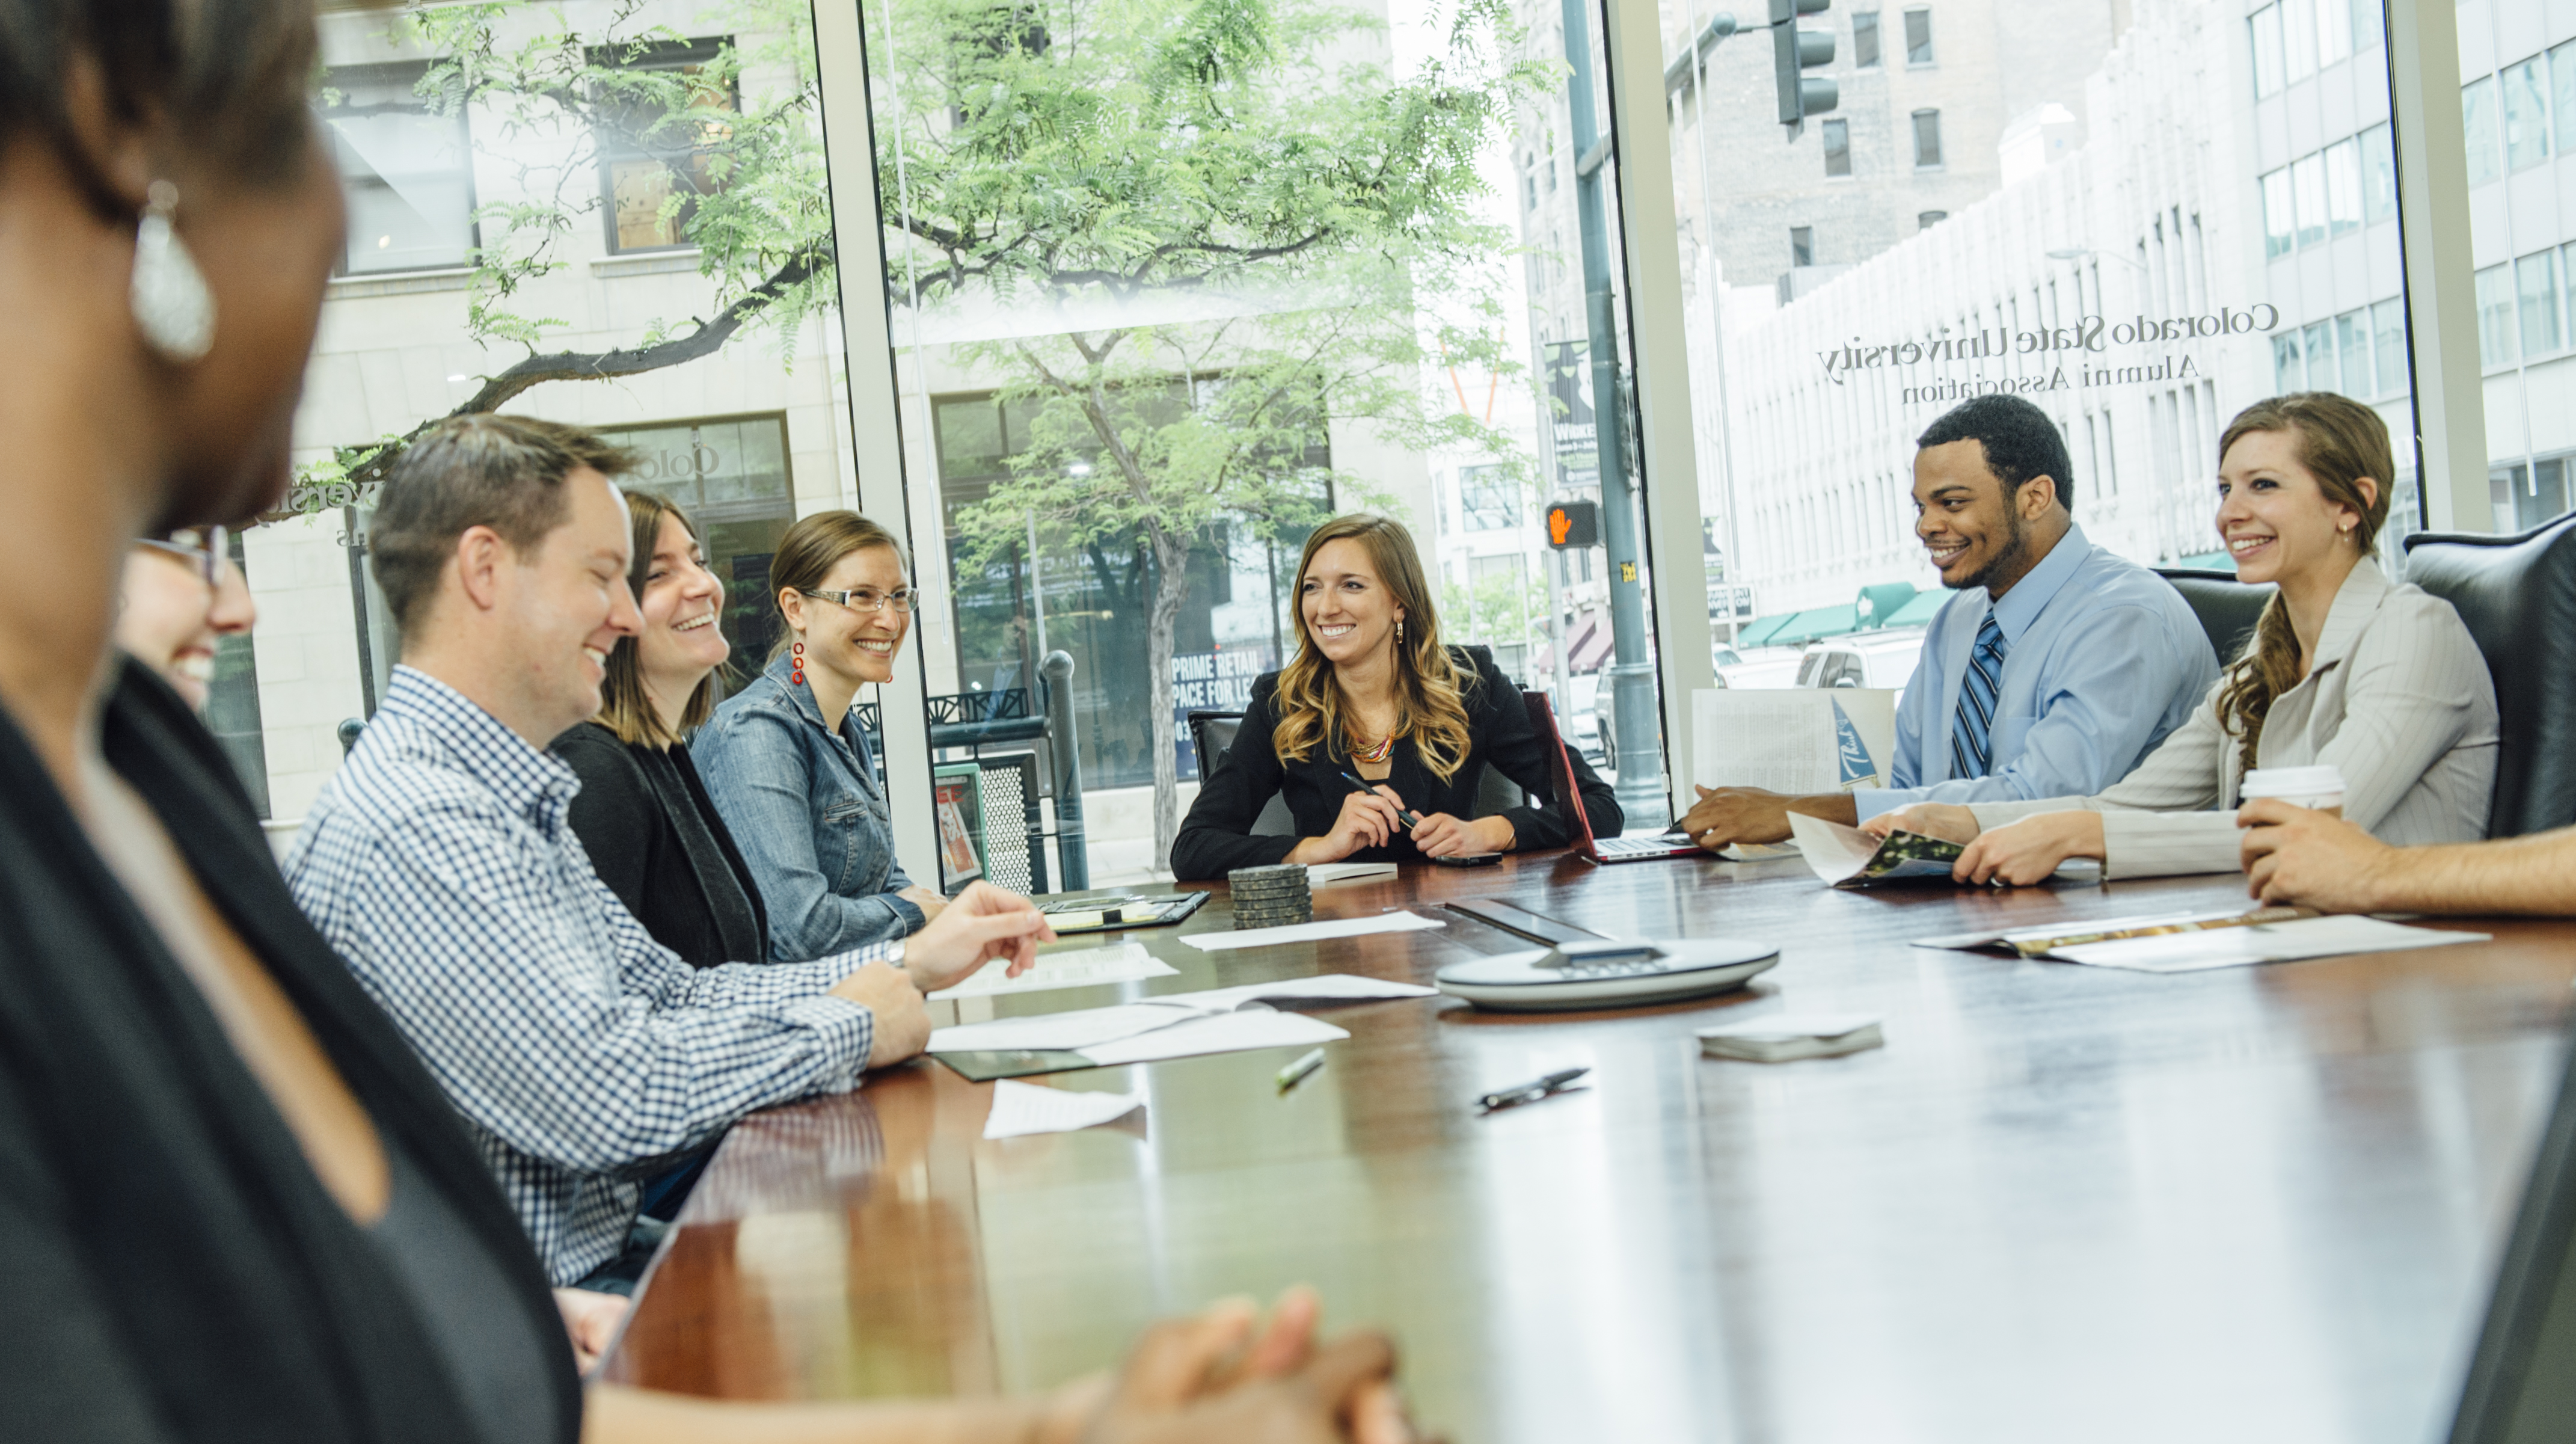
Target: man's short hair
2019, 439
504, 472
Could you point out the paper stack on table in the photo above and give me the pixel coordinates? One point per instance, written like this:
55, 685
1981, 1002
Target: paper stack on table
2284, 942
1315, 932
1023, 1108
1069, 968
1175, 1025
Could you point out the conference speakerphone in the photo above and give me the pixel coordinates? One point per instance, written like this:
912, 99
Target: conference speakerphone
1585, 970
1606, 973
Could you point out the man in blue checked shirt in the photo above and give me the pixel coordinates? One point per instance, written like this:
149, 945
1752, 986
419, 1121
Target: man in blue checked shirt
2052, 673
584, 1056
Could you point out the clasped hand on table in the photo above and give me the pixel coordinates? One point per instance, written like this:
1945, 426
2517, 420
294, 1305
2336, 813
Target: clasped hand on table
1373, 818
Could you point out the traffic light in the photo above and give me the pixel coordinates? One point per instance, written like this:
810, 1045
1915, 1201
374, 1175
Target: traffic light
1795, 51
1573, 524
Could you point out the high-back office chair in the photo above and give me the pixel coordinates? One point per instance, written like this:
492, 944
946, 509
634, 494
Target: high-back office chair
1212, 733
2518, 596
2226, 607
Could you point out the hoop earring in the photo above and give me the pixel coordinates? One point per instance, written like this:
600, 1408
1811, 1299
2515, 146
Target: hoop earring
172, 305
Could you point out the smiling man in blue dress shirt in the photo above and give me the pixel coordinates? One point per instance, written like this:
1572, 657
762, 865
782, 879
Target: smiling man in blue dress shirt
2052, 673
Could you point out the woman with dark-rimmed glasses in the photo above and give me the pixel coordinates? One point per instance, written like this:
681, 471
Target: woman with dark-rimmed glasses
787, 762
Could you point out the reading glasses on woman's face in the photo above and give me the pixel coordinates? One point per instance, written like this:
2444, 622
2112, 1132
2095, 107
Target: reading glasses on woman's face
202, 549
867, 599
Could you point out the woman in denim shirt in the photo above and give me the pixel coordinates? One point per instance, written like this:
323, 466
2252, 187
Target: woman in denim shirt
789, 768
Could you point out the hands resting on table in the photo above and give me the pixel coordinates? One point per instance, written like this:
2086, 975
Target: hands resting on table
1218, 1377
2290, 854
1369, 819
980, 925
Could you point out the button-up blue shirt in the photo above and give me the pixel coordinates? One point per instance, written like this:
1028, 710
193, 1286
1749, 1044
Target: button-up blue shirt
582, 1054
2102, 659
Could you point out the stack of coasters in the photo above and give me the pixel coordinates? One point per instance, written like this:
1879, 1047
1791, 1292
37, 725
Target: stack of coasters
1271, 897
1783, 1037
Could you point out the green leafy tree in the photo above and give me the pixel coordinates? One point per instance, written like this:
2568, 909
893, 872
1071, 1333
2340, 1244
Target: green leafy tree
1250, 231
736, 135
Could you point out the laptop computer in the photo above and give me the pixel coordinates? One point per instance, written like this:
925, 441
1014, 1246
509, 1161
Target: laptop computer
1599, 849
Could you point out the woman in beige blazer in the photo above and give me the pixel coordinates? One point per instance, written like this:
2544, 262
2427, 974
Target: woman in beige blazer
2379, 679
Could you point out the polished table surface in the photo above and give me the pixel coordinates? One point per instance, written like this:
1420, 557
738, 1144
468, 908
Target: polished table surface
2062, 1203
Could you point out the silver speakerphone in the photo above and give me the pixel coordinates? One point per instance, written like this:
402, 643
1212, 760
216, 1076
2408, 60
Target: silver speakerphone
1606, 973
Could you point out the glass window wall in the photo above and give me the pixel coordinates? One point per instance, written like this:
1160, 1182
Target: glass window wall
1359, 258
2518, 98
540, 191
2156, 215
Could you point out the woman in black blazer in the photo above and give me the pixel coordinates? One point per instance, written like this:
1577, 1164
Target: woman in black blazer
642, 814
1372, 692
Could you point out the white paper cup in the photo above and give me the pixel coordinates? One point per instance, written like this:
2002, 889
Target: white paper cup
2319, 786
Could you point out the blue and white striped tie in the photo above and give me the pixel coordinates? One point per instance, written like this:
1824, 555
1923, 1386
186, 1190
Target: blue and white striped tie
1972, 735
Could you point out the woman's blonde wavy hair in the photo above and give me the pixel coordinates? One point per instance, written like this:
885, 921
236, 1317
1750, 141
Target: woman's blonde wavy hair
2340, 442
1431, 704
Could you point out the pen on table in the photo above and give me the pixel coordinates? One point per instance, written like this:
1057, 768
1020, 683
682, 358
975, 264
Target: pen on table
1411, 817
1532, 1092
1295, 1073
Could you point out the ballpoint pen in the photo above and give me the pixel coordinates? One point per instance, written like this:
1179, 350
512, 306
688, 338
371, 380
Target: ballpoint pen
1531, 1092
1295, 1073
1411, 817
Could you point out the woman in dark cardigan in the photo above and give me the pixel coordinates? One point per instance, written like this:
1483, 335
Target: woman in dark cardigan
1372, 691
642, 814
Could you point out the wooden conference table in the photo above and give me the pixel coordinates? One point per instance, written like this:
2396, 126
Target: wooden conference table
2061, 1204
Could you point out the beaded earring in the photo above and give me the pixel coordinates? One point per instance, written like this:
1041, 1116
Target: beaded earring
796, 665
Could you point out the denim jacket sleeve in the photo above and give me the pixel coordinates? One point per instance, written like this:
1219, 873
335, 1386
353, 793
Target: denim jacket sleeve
804, 830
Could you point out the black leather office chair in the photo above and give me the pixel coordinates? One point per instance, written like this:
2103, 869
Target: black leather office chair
2227, 608
2518, 596
1212, 733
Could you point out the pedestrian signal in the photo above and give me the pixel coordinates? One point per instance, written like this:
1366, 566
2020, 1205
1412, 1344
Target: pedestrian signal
1573, 524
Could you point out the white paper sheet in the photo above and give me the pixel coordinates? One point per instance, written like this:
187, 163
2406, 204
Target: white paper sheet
1086, 1030
1072, 968
1346, 987
1395, 922
1222, 1033
1024, 1108
1325, 874
2261, 943
1074, 1031
1833, 850
1785, 738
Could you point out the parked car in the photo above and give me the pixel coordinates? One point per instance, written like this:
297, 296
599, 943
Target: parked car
1581, 724
1763, 667
1863, 659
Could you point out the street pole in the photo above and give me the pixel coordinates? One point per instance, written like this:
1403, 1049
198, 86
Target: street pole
1640, 785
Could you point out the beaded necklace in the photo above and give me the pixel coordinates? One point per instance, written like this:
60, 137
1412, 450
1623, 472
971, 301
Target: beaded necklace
1379, 753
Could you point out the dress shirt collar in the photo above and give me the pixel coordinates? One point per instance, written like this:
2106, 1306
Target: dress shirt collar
2016, 609
528, 780
2355, 603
